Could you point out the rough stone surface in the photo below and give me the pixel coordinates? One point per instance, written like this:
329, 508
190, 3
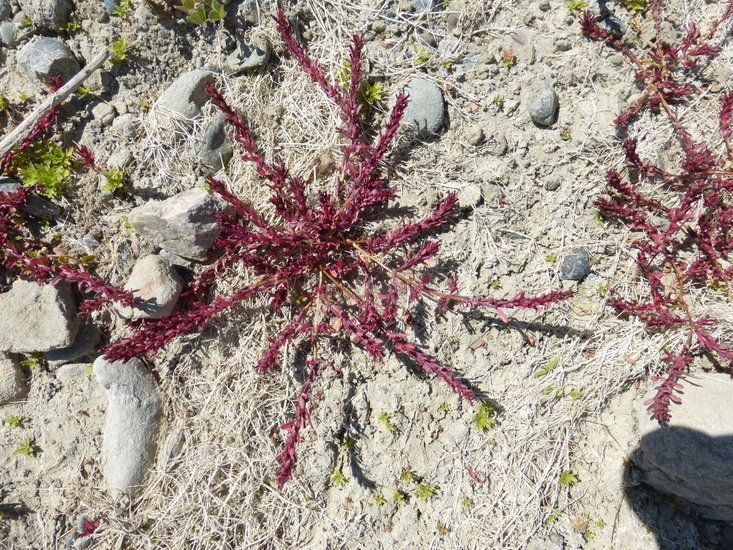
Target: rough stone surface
5, 9
426, 108
575, 266
12, 381
215, 149
542, 102
86, 341
182, 100
246, 57
692, 457
35, 205
49, 14
9, 34
183, 224
154, 280
37, 317
42, 59
131, 424
546, 543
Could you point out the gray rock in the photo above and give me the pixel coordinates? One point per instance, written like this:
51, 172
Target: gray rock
615, 26
182, 100
252, 12
246, 57
132, 421
49, 14
692, 457
426, 108
35, 205
423, 5
545, 543
542, 102
9, 34
184, 224
126, 125
5, 9
104, 113
563, 45
475, 135
575, 266
153, 280
44, 58
37, 317
85, 343
215, 149
12, 381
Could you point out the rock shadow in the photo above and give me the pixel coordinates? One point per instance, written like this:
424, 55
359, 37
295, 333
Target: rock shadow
674, 491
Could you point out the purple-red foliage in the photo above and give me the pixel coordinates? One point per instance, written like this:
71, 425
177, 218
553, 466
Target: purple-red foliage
315, 259
685, 233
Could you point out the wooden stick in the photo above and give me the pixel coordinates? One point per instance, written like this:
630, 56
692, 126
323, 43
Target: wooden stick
20, 131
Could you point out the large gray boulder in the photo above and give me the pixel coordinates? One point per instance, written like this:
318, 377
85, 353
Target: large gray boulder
49, 14
131, 424
692, 457
157, 284
184, 224
37, 317
44, 58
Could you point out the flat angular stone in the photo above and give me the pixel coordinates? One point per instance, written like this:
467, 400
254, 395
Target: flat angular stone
37, 317
184, 224
182, 100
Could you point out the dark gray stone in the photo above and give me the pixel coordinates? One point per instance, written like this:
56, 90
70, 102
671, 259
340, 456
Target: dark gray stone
44, 58
49, 14
563, 45
85, 343
35, 205
253, 12
246, 57
184, 224
615, 26
5, 9
691, 458
575, 266
542, 102
426, 108
215, 148
9, 34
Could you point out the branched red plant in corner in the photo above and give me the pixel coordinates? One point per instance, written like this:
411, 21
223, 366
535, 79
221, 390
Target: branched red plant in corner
316, 261
685, 229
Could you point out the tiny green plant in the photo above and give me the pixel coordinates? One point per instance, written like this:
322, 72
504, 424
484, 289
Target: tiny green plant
424, 491
47, 165
119, 50
575, 394
445, 407
567, 478
16, 421
4, 103
634, 6
553, 516
589, 535
370, 93
337, 478
399, 496
82, 92
385, 420
201, 11
421, 54
551, 259
484, 419
544, 371
407, 476
466, 502
509, 58
498, 101
126, 224
27, 447
600, 524
113, 180
70, 27
380, 500
576, 6
122, 8
32, 361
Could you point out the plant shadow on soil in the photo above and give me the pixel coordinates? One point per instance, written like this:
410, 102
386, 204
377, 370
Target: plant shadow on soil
674, 521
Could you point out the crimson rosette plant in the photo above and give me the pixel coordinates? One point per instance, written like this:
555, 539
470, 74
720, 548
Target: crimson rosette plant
317, 262
685, 224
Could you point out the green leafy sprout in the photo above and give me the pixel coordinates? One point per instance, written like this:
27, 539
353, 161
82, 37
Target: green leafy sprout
118, 50
16, 421
407, 476
380, 500
466, 502
32, 361
337, 478
484, 419
70, 27
424, 492
385, 420
422, 55
27, 447
122, 8
634, 6
47, 165
82, 92
544, 371
113, 180
551, 259
201, 11
399, 496
567, 478
576, 6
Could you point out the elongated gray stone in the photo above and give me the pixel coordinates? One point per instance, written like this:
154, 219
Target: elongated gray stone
37, 317
133, 415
